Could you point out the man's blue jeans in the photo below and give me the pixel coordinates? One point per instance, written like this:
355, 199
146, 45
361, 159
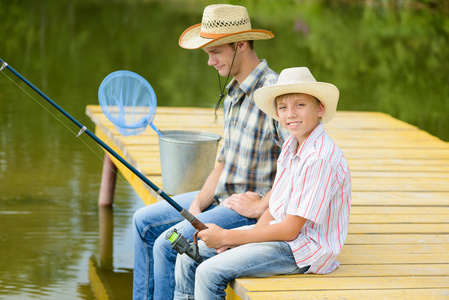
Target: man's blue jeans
154, 258
209, 279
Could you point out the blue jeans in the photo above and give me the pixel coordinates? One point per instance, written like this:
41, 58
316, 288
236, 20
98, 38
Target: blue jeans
209, 279
154, 258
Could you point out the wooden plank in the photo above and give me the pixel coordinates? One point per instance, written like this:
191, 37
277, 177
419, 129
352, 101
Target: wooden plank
428, 175
386, 211
410, 294
398, 219
144, 192
367, 141
370, 259
376, 270
325, 283
398, 164
400, 198
400, 184
398, 228
396, 249
409, 153
395, 239
398, 236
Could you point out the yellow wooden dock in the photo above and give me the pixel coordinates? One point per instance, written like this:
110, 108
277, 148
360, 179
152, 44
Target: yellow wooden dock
398, 241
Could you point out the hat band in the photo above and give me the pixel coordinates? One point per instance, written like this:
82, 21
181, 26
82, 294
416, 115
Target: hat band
209, 35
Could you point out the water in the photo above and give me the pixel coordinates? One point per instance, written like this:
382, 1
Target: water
389, 59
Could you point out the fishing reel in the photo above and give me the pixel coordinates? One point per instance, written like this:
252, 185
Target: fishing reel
182, 245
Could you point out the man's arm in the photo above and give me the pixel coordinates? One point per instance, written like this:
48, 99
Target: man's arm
248, 204
206, 195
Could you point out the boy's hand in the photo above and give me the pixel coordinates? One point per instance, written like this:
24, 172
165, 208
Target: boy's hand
212, 236
223, 249
248, 204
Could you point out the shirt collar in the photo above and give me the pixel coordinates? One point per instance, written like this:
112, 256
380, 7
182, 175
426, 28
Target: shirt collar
250, 83
292, 143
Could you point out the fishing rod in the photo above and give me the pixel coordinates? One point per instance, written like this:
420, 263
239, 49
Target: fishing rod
179, 243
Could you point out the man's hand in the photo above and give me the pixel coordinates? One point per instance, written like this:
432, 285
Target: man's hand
249, 204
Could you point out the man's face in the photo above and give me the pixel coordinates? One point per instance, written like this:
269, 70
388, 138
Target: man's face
220, 57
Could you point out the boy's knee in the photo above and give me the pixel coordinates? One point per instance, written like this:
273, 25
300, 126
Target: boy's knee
183, 265
205, 272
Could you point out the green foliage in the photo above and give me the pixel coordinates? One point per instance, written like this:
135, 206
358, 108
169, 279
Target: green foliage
386, 56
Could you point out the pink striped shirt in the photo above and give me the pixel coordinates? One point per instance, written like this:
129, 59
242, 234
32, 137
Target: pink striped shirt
314, 183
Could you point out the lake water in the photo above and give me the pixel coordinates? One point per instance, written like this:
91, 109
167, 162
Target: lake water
383, 58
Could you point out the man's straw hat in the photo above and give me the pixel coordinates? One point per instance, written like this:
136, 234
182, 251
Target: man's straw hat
222, 24
297, 80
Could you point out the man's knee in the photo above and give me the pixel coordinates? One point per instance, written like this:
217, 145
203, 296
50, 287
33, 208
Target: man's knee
137, 223
162, 247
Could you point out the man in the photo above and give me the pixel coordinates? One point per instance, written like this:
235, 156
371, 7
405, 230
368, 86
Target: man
236, 192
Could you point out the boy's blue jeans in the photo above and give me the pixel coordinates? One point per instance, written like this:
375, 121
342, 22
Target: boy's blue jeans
209, 279
154, 258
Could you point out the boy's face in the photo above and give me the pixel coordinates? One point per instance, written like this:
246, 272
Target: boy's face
300, 114
220, 57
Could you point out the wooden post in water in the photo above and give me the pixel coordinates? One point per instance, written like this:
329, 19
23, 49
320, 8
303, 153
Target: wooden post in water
106, 222
108, 179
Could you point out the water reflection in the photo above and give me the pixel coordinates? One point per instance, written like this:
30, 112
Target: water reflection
382, 59
107, 282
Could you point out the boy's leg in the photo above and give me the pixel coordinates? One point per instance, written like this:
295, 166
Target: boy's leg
165, 256
148, 223
250, 260
185, 271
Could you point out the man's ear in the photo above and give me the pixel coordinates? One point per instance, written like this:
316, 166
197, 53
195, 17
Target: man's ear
242, 45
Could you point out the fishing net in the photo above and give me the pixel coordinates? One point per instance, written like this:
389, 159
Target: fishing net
128, 101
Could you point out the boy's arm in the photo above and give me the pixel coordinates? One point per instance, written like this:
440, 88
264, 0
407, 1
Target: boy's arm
287, 230
265, 219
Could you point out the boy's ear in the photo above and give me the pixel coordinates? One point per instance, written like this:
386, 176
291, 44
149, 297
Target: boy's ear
321, 110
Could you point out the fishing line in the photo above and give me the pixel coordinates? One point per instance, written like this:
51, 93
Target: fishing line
65, 125
179, 243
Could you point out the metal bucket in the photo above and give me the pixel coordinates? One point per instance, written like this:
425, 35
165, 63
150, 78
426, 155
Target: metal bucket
187, 158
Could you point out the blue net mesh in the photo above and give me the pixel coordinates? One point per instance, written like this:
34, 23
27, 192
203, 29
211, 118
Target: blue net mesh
128, 101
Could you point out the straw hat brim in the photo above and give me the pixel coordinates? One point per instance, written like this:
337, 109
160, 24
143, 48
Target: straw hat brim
325, 92
192, 39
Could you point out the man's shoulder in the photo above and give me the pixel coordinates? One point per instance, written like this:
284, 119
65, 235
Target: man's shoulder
266, 74
270, 77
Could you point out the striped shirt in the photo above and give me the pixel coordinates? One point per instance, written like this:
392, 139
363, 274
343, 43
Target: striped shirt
314, 183
252, 140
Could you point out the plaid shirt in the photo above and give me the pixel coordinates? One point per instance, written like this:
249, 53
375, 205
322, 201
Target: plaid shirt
252, 140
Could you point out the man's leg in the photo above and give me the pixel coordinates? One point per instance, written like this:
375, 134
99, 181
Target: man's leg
149, 222
165, 256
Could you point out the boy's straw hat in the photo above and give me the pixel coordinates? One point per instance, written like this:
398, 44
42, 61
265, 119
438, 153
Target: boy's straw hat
297, 80
222, 24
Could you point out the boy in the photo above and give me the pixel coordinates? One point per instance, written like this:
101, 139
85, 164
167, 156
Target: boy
306, 224
240, 179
